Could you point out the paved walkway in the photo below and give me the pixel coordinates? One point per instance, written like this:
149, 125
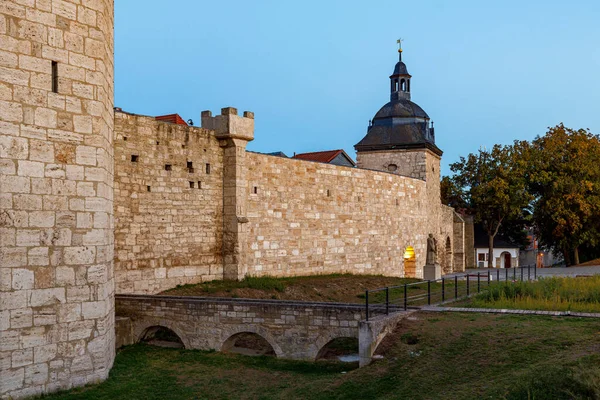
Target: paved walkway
508, 311
541, 272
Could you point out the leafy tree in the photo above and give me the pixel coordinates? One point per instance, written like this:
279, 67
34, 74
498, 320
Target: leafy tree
564, 176
451, 195
493, 185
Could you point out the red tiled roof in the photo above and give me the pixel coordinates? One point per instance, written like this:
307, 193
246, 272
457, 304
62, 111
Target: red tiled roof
319, 156
171, 118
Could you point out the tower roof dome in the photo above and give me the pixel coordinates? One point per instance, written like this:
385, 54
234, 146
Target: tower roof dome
400, 69
401, 108
399, 124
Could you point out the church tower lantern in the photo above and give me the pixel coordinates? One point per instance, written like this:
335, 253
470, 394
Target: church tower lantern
400, 136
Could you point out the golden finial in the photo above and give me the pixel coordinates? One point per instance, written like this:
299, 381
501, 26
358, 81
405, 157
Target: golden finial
399, 41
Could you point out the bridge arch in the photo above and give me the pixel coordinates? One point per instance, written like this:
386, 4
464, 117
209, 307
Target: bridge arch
257, 330
141, 328
252, 344
162, 334
323, 341
343, 345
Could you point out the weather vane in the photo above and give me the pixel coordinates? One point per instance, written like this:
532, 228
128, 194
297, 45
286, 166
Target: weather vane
399, 41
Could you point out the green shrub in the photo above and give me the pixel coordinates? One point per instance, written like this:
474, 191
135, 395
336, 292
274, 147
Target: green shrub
559, 294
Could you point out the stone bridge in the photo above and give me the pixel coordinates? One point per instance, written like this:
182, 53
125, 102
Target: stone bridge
295, 330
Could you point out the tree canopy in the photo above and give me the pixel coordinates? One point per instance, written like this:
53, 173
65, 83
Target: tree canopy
564, 177
493, 186
551, 183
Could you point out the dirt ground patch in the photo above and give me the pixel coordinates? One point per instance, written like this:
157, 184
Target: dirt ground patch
590, 263
322, 288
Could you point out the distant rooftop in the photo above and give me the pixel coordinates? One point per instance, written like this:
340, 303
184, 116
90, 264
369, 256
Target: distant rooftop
338, 157
482, 241
171, 118
278, 154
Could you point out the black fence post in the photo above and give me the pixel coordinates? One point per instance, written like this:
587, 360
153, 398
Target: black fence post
456, 287
498, 274
429, 293
478, 282
468, 281
443, 290
529, 272
367, 302
514, 274
535, 272
521, 274
489, 278
405, 297
506, 270
387, 301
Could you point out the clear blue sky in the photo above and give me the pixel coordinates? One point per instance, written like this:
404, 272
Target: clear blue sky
315, 72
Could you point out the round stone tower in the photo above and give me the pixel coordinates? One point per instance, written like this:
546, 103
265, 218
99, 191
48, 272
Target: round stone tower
56, 195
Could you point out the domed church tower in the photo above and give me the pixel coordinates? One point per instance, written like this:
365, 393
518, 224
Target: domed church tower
400, 138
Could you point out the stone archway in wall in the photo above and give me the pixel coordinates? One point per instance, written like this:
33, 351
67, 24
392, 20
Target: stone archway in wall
447, 256
410, 262
505, 260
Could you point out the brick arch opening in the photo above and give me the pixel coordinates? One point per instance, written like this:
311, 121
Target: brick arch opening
338, 347
162, 336
448, 256
141, 327
410, 262
249, 344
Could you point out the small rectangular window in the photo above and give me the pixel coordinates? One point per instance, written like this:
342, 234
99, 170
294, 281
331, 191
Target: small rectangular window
481, 256
134, 158
157, 142
208, 168
55, 76
190, 167
191, 185
125, 138
167, 167
199, 185
255, 189
328, 193
148, 188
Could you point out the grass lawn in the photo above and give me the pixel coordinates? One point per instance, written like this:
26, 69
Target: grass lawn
344, 288
430, 356
554, 294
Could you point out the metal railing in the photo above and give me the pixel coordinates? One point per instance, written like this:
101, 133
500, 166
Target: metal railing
413, 295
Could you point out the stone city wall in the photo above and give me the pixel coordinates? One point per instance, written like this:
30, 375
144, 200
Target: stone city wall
310, 218
56, 195
168, 204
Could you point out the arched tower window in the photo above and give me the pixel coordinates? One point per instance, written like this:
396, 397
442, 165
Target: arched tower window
408, 85
403, 85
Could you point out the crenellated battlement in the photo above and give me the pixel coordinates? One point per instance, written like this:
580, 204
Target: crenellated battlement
148, 128
229, 125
